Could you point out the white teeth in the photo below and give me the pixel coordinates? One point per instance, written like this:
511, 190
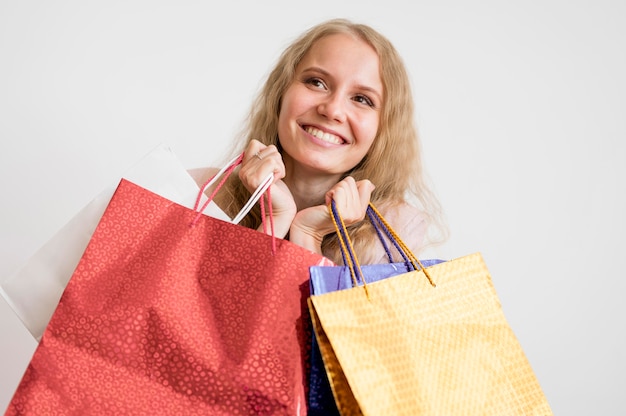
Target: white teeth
327, 137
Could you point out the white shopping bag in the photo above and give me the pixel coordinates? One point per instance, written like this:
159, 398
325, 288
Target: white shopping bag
34, 290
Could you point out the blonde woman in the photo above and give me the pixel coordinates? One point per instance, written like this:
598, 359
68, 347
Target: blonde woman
335, 120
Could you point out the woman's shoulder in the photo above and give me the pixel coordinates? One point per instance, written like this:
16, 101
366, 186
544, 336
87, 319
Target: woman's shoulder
403, 215
408, 222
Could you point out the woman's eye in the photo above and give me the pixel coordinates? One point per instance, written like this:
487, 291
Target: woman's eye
315, 82
364, 100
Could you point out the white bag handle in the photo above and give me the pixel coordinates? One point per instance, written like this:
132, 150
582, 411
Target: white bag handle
227, 170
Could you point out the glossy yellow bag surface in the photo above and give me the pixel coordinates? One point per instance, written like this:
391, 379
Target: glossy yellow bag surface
406, 347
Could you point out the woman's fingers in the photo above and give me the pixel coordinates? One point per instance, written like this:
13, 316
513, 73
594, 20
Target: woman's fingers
365, 189
259, 151
351, 198
258, 162
312, 224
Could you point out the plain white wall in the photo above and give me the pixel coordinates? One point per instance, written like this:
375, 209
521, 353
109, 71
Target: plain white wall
520, 106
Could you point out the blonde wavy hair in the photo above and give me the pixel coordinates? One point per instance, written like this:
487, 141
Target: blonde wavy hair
393, 162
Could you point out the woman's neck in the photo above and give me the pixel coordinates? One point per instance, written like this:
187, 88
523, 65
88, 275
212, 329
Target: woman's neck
308, 188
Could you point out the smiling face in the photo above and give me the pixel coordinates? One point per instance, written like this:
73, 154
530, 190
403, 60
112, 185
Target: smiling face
330, 113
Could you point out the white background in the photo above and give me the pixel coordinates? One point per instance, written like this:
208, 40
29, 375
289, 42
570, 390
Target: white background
521, 108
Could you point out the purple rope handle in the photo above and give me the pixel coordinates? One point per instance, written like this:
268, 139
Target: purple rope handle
344, 235
380, 227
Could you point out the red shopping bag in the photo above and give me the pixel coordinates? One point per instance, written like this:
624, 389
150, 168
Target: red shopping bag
174, 313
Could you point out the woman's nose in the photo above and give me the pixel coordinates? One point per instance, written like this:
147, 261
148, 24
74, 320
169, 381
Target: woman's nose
333, 108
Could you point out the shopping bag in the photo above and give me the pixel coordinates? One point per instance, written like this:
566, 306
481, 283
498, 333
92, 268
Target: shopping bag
325, 279
33, 291
171, 312
432, 341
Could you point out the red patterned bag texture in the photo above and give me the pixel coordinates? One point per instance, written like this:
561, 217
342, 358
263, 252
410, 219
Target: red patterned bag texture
173, 313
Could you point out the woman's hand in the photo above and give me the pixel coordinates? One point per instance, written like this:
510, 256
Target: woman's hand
311, 224
258, 162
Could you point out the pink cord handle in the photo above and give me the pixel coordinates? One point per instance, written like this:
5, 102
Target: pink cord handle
225, 171
257, 196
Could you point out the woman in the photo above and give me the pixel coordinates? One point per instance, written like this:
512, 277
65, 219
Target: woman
334, 120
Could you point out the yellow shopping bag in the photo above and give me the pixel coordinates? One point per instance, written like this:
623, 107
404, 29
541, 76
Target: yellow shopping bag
433, 341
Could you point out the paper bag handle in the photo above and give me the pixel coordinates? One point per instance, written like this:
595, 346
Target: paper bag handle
224, 173
380, 224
